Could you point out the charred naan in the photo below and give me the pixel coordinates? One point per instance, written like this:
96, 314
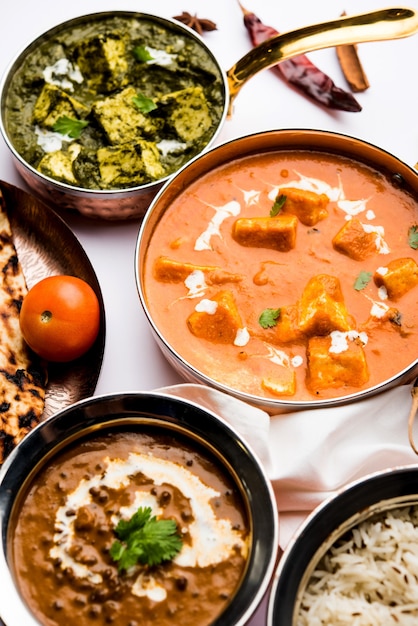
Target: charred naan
22, 376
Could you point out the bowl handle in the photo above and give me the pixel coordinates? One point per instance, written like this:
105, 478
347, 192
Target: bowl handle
385, 24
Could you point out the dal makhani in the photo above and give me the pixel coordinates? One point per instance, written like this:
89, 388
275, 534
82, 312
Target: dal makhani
74, 562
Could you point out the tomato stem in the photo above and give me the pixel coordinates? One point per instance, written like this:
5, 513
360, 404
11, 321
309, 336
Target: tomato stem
46, 317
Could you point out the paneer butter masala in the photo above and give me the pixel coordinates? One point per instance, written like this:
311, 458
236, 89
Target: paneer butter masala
289, 275
85, 552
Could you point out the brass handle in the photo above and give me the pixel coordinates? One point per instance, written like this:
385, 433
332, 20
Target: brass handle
376, 26
412, 414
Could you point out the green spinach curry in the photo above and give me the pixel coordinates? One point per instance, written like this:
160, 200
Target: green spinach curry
114, 101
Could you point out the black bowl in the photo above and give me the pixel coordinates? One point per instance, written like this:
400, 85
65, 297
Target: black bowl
174, 417
356, 502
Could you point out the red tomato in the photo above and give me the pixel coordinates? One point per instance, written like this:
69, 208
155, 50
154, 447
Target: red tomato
60, 318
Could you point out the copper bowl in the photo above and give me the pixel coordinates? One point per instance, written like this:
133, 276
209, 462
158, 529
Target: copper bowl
318, 142
128, 203
172, 418
109, 204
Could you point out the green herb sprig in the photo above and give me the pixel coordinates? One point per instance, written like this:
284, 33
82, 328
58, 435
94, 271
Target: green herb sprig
278, 205
144, 104
413, 237
142, 54
268, 318
144, 539
69, 126
362, 280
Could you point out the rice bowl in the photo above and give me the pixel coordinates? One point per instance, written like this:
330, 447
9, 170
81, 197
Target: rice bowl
355, 558
367, 575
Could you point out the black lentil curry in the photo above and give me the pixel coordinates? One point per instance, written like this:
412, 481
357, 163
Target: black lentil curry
111, 101
63, 540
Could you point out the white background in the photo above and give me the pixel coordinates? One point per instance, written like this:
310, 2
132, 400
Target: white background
389, 119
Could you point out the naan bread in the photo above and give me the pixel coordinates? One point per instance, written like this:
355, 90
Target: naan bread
22, 376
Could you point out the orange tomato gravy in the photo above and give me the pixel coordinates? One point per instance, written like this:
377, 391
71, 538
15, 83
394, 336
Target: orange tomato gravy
264, 278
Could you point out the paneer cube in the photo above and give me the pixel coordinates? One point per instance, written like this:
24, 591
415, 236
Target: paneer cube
170, 271
53, 103
321, 308
324, 283
120, 166
187, 112
128, 165
275, 233
283, 383
217, 319
102, 60
59, 164
398, 277
329, 370
287, 328
308, 206
151, 159
121, 119
353, 241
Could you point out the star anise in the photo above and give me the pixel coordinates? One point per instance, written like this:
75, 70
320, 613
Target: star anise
198, 24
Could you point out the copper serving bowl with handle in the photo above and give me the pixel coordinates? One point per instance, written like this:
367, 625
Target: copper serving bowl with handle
190, 265
120, 201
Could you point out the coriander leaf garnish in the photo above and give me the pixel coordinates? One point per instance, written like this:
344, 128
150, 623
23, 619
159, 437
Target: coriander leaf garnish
144, 539
362, 280
144, 104
413, 237
269, 317
69, 126
278, 205
142, 54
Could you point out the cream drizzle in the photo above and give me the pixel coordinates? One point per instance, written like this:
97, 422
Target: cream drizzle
212, 540
381, 245
280, 357
196, 284
242, 337
230, 209
339, 340
378, 309
206, 306
62, 74
160, 57
335, 194
49, 140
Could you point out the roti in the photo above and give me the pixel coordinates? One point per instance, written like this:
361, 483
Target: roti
22, 375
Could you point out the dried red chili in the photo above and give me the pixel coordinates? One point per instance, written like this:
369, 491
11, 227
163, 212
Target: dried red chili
300, 72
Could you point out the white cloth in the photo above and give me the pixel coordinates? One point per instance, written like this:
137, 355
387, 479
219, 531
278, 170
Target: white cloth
310, 455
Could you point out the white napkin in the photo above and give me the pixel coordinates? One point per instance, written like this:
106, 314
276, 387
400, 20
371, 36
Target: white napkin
310, 455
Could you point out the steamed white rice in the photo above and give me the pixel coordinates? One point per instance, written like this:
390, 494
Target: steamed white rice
370, 576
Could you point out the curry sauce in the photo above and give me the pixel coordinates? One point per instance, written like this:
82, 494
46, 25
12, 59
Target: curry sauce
289, 275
